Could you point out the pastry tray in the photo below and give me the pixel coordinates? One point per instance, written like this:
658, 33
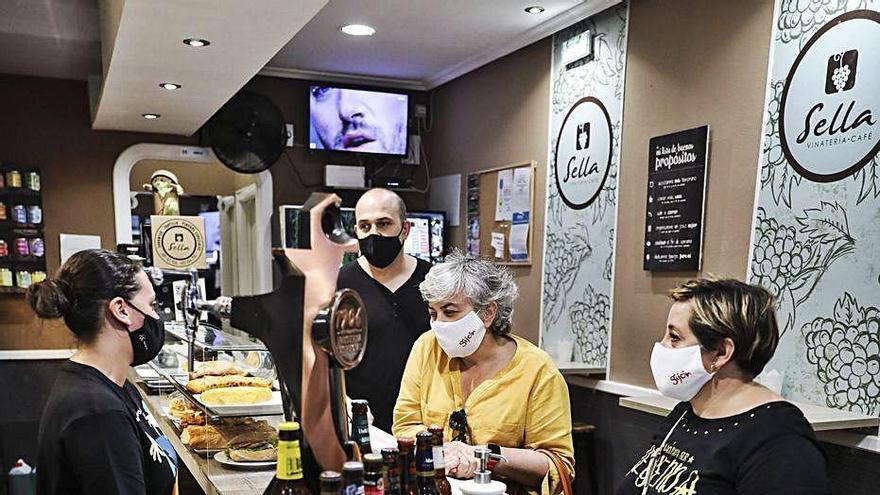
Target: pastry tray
273, 407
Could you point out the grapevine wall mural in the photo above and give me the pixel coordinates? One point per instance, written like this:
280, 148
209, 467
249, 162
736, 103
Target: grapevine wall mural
817, 224
586, 111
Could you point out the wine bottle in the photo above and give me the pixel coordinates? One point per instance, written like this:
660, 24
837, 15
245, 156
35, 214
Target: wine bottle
289, 470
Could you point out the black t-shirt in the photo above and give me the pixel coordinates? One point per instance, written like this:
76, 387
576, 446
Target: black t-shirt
768, 450
394, 322
98, 437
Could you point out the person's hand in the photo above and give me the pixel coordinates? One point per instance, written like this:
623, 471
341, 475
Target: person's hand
460, 460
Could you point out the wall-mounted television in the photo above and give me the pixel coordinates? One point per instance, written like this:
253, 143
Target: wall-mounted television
357, 120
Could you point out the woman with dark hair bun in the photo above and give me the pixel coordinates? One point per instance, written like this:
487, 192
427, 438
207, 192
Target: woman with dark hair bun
96, 435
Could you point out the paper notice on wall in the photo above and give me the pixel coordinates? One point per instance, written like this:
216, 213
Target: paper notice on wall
504, 195
446, 197
519, 236
73, 243
498, 244
522, 191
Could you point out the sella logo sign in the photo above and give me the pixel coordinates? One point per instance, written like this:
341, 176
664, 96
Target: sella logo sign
828, 118
583, 153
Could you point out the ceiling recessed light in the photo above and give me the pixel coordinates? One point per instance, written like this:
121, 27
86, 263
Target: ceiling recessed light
358, 30
535, 9
196, 42
170, 86
150, 116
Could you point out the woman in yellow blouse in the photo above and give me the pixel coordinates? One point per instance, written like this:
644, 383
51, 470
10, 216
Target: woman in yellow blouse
486, 386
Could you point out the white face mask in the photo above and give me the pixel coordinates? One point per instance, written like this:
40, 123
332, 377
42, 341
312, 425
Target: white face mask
679, 373
462, 337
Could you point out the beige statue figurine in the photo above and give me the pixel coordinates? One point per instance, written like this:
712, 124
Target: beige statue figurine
166, 192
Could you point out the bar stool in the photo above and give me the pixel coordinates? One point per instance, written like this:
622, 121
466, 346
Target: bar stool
584, 440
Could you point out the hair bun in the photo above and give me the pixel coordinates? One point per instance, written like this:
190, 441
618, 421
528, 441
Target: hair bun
48, 299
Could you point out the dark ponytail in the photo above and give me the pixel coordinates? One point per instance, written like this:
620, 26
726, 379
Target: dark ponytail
82, 286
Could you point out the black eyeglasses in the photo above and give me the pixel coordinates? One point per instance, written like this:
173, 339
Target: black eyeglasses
459, 424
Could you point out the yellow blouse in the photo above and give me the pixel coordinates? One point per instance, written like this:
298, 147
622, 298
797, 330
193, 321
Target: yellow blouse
525, 405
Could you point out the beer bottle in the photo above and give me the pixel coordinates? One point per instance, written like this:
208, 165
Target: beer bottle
352, 452
407, 460
289, 470
373, 483
360, 425
353, 478
391, 471
330, 482
425, 464
443, 485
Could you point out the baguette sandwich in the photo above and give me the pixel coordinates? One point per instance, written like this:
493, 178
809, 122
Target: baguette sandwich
201, 385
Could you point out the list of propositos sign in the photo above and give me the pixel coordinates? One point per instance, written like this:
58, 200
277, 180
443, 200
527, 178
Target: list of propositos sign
676, 192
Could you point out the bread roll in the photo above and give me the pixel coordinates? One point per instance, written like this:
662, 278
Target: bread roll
216, 368
267, 453
236, 395
203, 437
201, 385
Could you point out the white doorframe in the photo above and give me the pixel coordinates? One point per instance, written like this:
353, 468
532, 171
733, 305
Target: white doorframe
154, 151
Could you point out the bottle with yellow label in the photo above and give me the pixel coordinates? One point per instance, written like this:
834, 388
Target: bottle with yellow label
289, 473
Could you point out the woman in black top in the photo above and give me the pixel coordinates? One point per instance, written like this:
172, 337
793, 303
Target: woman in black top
729, 435
96, 435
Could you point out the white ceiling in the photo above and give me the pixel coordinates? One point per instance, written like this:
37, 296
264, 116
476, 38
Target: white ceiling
148, 49
423, 43
419, 44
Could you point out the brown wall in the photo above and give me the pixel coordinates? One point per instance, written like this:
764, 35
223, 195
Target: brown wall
46, 124
498, 115
689, 62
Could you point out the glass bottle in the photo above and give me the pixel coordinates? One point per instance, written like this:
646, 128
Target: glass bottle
425, 463
373, 482
391, 470
353, 478
331, 482
443, 485
360, 425
289, 470
405, 446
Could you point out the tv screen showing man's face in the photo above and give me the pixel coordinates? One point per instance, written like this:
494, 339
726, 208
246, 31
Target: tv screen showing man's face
357, 120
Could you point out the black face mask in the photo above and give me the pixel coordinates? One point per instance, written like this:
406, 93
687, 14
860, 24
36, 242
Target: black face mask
147, 341
379, 250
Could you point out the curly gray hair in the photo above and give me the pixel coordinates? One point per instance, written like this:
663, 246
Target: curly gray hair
480, 281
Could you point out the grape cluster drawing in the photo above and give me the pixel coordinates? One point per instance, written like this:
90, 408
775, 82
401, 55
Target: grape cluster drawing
791, 260
589, 324
564, 256
840, 75
798, 19
844, 349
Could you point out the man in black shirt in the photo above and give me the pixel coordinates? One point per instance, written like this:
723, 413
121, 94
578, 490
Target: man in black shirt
388, 281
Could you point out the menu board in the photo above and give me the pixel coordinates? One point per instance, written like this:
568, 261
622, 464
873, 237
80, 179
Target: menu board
676, 194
